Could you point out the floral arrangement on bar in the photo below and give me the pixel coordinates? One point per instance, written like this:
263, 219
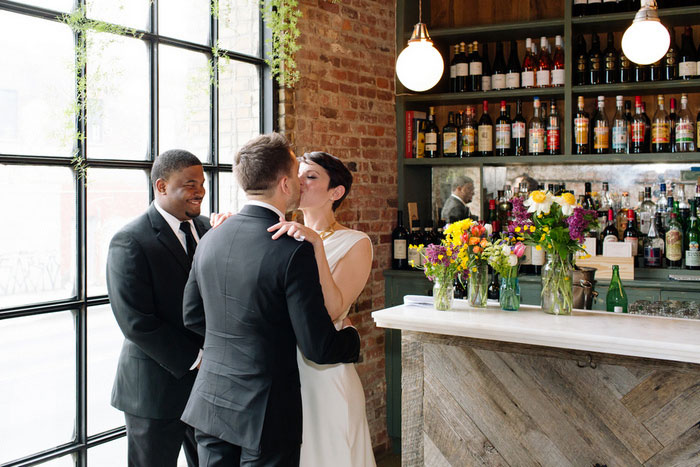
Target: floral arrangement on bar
471, 240
442, 265
504, 257
558, 225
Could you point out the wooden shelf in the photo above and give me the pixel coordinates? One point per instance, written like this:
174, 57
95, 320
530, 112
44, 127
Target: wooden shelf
645, 88
504, 31
566, 159
618, 21
449, 98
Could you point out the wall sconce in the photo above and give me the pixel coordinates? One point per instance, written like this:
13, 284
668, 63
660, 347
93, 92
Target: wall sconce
646, 40
419, 66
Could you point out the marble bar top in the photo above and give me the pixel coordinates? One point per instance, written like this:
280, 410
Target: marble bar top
656, 337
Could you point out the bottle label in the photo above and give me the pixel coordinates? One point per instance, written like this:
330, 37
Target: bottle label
580, 2
698, 70
638, 132
420, 145
674, 243
431, 142
513, 80
590, 2
619, 137
581, 64
400, 249
617, 308
601, 137
660, 133
415, 256
684, 132
462, 69
536, 140
581, 130
610, 62
594, 63
543, 77
644, 222
558, 76
502, 136
498, 81
527, 78
485, 138
553, 138
635, 244
469, 140
518, 129
692, 255
453, 71
486, 83
687, 68
610, 238
449, 143
475, 68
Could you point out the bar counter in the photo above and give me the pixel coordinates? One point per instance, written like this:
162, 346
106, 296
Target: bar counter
489, 387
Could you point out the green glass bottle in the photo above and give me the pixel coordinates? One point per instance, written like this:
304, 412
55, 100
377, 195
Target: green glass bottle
616, 300
692, 240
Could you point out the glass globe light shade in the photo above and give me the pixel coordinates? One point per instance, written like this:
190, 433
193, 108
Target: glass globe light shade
419, 66
645, 42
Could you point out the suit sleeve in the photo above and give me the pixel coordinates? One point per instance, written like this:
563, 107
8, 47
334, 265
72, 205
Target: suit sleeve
130, 288
193, 306
316, 335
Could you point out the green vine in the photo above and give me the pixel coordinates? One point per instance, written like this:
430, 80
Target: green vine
282, 17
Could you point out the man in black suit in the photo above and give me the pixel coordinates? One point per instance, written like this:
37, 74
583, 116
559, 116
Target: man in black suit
261, 298
462, 192
147, 268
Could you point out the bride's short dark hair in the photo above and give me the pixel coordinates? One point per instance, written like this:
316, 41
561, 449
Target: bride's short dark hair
337, 171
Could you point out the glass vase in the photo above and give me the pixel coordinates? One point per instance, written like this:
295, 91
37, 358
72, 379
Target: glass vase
443, 294
509, 296
557, 279
478, 285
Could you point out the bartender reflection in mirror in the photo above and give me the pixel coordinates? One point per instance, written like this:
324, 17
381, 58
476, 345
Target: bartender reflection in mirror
455, 207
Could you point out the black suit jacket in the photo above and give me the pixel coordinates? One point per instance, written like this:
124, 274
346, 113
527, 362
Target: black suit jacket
147, 269
261, 297
454, 209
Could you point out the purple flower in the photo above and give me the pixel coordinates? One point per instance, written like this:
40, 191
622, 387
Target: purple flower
519, 212
578, 223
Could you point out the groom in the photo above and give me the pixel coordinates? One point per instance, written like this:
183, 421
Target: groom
255, 299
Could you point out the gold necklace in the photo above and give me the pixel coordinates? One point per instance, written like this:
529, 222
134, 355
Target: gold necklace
324, 234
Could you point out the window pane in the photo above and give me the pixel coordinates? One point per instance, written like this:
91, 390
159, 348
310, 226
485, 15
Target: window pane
184, 101
239, 26
133, 14
111, 454
239, 107
36, 78
37, 255
114, 198
231, 198
185, 19
37, 388
104, 341
206, 203
118, 97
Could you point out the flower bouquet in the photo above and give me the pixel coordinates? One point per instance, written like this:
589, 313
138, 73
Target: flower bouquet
503, 256
470, 240
441, 267
557, 225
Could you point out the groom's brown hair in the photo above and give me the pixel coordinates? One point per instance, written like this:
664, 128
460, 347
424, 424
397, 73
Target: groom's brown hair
261, 162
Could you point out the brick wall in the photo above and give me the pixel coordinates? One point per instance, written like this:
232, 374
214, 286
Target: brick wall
344, 104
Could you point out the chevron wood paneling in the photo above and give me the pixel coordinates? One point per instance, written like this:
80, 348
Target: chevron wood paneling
468, 402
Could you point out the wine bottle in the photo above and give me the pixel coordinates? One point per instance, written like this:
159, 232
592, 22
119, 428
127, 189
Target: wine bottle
450, 137
498, 76
462, 69
687, 61
685, 128
486, 84
609, 6
453, 68
631, 234
671, 59
629, 119
469, 134
692, 240
619, 129
553, 130
415, 238
601, 129
625, 68
527, 75
581, 75
639, 137
432, 135
616, 298
674, 243
485, 130
594, 60
581, 130
558, 74
475, 68
672, 120
579, 7
513, 69
399, 245
647, 126
494, 290
621, 218
593, 7
518, 131
492, 218
544, 65
656, 70
503, 136
536, 131
610, 233
660, 128
640, 73
610, 71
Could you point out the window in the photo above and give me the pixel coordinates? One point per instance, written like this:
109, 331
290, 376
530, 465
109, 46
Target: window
146, 93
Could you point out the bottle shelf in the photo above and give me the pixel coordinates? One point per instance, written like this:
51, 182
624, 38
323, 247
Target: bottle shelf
566, 159
449, 98
620, 21
504, 31
644, 88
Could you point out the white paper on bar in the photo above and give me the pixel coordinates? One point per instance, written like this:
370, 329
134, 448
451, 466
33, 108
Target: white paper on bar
617, 249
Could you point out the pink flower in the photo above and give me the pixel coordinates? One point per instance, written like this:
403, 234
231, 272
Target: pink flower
519, 250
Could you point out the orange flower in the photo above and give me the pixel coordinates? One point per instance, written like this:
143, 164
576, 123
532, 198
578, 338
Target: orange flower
484, 243
473, 240
476, 231
477, 249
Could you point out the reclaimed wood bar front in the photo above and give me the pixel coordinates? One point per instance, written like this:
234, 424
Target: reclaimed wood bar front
488, 387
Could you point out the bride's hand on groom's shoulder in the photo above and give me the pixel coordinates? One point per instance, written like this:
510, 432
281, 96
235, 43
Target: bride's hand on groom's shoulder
218, 218
295, 230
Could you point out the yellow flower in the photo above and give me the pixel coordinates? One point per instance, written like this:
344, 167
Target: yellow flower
567, 201
439, 256
474, 269
539, 202
566, 278
449, 252
542, 237
413, 247
517, 229
521, 238
539, 216
545, 229
532, 228
412, 263
538, 248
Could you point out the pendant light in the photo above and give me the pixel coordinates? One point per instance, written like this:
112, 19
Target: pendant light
646, 40
420, 65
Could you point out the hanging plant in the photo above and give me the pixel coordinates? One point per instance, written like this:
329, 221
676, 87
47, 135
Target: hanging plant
282, 16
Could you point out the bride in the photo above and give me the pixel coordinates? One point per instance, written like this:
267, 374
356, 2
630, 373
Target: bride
335, 430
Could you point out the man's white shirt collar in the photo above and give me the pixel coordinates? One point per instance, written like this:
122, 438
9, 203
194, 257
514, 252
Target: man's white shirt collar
174, 224
263, 204
459, 199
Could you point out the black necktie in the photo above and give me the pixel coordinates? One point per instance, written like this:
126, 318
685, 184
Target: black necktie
189, 239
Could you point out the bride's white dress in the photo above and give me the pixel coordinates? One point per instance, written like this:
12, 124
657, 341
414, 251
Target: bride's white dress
335, 430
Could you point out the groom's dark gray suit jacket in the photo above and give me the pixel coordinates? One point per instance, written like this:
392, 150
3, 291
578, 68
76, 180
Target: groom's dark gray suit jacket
259, 298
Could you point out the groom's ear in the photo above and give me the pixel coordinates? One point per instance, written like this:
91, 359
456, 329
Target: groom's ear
283, 184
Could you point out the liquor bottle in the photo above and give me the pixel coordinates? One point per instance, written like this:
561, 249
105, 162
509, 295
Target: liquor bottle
415, 238
629, 119
611, 60
462, 69
527, 75
432, 136
604, 203
672, 120
581, 130
687, 61
469, 134
640, 140
646, 211
610, 233
544, 65
399, 245
662, 201
692, 240
579, 7
601, 129
518, 131
683, 205
640, 73
450, 137
685, 128
654, 244
660, 128
558, 73
513, 70
671, 59
475, 68
430, 236
486, 70
536, 135
581, 75
485, 131
619, 129
593, 7
621, 218
616, 298
674, 243
492, 218
595, 61
553, 130
588, 202
625, 68
498, 76
631, 234
647, 125
503, 136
